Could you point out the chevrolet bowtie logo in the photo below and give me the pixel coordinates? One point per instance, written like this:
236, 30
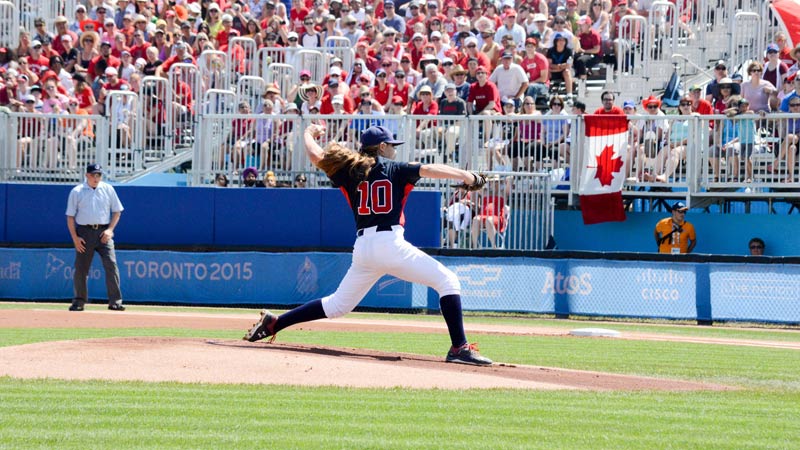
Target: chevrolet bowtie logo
478, 275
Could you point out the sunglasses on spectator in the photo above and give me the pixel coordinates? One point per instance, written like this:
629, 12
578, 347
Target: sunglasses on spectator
724, 87
792, 105
686, 104
383, 75
652, 107
755, 70
399, 76
386, 65
447, 64
365, 95
305, 78
471, 46
556, 104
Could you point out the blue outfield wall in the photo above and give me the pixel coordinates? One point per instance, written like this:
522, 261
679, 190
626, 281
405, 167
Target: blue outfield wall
673, 290
175, 216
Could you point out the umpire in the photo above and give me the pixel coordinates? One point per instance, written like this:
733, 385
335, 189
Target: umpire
93, 211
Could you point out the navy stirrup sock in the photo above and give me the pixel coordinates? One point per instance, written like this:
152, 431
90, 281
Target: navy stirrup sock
450, 306
304, 313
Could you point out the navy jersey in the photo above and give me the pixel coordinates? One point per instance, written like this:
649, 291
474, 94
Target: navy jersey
380, 199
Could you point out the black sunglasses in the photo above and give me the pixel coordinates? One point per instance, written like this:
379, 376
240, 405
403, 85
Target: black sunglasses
686, 104
794, 104
756, 247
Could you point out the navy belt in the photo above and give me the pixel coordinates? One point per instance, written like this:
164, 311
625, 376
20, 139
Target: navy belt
360, 232
95, 226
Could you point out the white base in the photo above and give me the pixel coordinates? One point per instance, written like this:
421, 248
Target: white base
595, 332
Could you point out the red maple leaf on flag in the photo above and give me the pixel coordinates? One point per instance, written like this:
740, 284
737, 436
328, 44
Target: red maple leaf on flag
607, 166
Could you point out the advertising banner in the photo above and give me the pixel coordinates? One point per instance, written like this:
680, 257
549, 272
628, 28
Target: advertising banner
212, 278
769, 293
630, 288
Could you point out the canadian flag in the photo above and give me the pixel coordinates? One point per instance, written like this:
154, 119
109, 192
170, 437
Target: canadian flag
604, 168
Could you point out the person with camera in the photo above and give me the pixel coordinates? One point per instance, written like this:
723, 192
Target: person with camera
674, 235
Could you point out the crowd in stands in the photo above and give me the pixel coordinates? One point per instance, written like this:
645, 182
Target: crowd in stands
434, 57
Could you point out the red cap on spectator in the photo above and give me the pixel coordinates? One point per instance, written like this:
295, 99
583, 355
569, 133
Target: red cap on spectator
170, 13
397, 99
510, 13
530, 41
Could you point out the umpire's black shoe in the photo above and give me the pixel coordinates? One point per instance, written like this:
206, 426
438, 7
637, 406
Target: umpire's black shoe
116, 307
75, 307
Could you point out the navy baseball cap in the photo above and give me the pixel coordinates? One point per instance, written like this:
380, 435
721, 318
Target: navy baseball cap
680, 206
377, 135
94, 168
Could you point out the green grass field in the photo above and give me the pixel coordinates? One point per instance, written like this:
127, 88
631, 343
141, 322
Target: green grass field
763, 414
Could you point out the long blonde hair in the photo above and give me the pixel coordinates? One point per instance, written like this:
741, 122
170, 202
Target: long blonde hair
338, 157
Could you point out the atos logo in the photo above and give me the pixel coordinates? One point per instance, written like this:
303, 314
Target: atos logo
54, 265
478, 274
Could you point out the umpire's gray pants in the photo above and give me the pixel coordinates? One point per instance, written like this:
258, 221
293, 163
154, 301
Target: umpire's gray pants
83, 262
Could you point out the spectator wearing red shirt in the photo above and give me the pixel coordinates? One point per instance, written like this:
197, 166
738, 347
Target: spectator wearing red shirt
401, 87
699, 104
181, 56
105, 59
383, 90
416, 48
484, 98
426, 106
119, 45
608, 108
61, 30
471, 45
37, 62
297, 14
590, 51
139, 48
362, 53
536, 66
333, 89
416, 17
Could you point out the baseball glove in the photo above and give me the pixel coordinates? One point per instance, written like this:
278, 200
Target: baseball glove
477, 185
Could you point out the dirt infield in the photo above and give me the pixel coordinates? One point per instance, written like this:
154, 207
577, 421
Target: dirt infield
233, 361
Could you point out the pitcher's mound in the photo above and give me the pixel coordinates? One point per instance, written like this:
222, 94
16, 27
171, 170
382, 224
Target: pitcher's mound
230, 361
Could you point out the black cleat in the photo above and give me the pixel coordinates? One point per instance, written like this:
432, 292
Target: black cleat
263, 328
116, 307
467, 354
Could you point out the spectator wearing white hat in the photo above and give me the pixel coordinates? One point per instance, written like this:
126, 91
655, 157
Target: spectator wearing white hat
80, 15
471, 46
545, 32
214, 20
